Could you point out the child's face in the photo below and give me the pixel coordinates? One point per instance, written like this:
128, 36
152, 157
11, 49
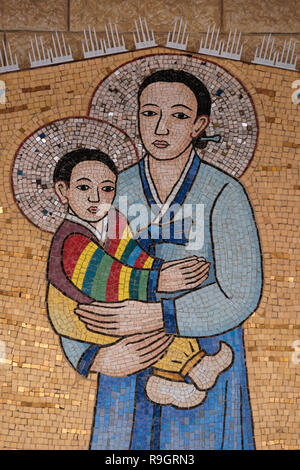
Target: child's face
91, 192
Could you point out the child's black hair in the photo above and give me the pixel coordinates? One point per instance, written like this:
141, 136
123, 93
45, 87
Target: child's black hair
67, 163
193, 83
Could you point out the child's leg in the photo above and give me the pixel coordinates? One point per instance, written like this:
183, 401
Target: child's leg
205, 373
180, 357
168, 392
184, 359
167, 386
66, 323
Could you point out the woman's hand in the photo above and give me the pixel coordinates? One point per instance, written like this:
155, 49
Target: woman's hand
121, 318
188, 273
130, 355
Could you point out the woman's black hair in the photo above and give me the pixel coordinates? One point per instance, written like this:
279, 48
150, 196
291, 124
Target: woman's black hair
67, 163
193, 83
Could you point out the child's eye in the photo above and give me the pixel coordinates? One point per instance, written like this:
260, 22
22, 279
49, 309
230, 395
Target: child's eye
181, 116
149, 113
108, 189
83, 187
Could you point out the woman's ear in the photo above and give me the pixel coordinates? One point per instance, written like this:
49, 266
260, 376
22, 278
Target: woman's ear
61, 189
200, 124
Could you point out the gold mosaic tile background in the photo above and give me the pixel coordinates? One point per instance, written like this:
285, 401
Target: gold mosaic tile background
45, 404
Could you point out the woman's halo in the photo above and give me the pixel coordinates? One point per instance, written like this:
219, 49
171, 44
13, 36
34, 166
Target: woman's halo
232, 115
112, 127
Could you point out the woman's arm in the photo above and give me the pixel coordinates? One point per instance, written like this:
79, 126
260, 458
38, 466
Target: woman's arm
80, 355
229, 301
127, 356
215, 308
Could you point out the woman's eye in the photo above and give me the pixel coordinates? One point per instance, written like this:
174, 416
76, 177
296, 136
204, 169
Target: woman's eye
108, 189
149, 113
181, 116
83, 187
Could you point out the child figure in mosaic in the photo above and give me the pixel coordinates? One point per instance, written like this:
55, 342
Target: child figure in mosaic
94, 257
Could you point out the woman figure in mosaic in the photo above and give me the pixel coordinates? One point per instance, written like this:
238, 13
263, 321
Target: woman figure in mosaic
173, 112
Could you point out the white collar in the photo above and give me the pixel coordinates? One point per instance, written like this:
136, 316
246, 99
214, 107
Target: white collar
165, 206
100, 236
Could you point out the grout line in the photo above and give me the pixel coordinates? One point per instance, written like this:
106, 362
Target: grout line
36, 31
274, 34
192, 34
221, 16
68, 13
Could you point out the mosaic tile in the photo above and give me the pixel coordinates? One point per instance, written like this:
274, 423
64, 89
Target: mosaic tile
232, 117
37, 157
149, 278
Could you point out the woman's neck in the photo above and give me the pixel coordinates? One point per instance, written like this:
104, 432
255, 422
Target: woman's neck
166, 173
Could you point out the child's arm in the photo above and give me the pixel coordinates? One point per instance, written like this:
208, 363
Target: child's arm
83, 268
121, 245
83, 272
103, 277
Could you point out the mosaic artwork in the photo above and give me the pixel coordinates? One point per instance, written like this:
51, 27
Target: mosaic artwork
232, 111
155, 285
148, 270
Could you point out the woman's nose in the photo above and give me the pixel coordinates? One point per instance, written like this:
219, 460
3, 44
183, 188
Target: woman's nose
94, 196
161, 127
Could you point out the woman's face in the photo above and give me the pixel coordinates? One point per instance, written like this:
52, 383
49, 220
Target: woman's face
168, 119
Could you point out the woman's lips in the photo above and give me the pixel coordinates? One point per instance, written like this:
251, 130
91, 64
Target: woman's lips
161, 144
93, 209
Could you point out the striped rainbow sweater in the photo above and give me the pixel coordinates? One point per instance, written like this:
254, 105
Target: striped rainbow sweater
119, 270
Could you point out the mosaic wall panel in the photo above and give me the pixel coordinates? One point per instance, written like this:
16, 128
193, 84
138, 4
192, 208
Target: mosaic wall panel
149, 264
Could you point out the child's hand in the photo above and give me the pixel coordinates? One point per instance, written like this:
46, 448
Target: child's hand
187, 273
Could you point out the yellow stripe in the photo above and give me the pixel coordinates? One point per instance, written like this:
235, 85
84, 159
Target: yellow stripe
82, 264
66, 323
126, 237
124, 280
148, 263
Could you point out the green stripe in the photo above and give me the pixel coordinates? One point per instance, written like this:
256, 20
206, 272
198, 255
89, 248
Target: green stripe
91, 271
98, 291
134, 284
128, 250
143, 287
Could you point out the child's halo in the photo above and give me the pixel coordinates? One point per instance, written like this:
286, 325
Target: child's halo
37, 156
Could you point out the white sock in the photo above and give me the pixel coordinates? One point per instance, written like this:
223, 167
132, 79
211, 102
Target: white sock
205, 374
169, 392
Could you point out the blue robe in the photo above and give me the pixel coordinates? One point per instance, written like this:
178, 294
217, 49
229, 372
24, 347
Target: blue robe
124, 417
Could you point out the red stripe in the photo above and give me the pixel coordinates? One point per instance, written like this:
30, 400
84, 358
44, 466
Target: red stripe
140, 261
73, 247
112, 244
112, 286
114, 236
